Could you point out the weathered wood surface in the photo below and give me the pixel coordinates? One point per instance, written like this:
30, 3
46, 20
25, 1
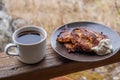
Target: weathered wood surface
52, 66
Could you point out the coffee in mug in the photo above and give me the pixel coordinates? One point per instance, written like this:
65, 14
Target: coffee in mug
29, 37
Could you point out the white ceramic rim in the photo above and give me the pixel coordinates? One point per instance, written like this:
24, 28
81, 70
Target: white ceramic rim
26, 27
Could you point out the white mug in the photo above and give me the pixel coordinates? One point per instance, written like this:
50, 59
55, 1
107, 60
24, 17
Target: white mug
28, 53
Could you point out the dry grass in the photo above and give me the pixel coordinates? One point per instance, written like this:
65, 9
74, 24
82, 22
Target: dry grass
51, 14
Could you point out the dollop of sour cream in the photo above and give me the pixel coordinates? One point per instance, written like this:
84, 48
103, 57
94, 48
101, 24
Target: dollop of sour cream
104, 47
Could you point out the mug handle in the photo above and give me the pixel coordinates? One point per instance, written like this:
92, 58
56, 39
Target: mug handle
8, 46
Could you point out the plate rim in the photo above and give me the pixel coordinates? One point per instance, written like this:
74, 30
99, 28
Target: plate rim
87, 23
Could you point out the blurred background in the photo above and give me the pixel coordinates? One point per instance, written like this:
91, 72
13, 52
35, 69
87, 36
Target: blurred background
51, 14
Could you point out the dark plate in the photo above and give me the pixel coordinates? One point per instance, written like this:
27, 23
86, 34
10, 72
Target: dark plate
82, 56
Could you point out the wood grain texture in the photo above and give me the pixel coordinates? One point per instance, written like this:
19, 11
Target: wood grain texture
52, 66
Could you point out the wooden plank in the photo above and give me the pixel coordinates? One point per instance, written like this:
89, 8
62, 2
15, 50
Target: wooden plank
52, 66
48, 68
37, 71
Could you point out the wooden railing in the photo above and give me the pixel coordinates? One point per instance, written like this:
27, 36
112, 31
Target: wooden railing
52, 66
